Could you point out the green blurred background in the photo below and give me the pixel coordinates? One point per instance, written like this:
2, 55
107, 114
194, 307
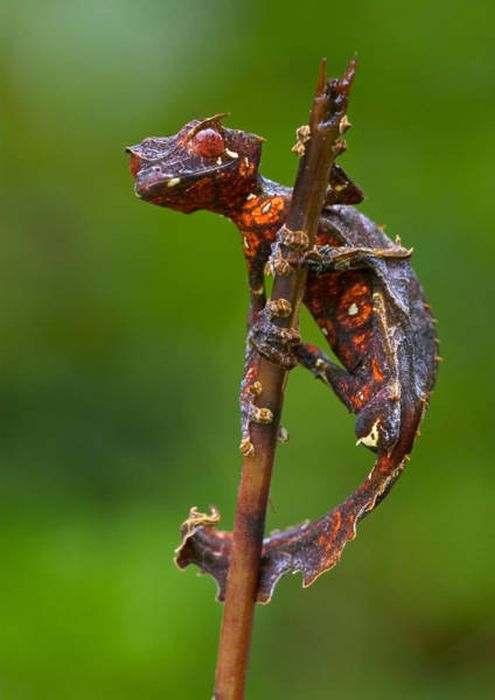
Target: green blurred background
119, 376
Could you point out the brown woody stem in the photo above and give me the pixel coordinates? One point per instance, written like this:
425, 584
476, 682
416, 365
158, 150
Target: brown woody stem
318, 153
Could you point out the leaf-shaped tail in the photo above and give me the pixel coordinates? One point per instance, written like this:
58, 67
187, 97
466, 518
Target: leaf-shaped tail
314, 548
311, 548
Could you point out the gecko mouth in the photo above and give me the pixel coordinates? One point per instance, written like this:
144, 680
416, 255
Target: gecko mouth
164, 180
153, 180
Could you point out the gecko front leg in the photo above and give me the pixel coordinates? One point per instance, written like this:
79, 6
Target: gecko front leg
276, 341
327, 258
250, 386
277, 344
259, 317
268, 340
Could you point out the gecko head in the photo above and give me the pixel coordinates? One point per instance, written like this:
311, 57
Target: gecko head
204, 166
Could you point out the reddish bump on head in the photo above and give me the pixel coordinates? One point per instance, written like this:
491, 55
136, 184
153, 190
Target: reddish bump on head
208, 143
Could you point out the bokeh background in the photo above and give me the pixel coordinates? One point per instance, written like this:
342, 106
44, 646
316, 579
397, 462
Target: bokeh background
121, 350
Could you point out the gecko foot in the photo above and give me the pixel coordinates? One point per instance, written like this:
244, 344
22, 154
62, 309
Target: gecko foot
278, 345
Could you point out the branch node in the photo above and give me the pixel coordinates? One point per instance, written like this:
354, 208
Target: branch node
262, 415
255, 389
281, 308
246, 447
339, 146
303, 134
344, 124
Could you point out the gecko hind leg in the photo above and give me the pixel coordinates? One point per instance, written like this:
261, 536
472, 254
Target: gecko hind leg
345, 385
378, 412
251, 390
283, 347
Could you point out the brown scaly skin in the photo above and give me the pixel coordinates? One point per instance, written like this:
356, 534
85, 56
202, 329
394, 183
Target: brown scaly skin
361, 291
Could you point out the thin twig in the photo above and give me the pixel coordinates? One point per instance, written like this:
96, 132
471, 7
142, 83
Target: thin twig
317, 154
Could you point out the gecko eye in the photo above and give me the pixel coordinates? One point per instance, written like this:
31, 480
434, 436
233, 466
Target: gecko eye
208, 143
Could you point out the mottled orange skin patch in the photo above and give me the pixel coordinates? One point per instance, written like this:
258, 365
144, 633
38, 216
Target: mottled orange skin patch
329, 297
355, 306
246, 168
361, 397
251, 243
324, 238
258, 223
377, 374
260, 212
333, 530
362, 341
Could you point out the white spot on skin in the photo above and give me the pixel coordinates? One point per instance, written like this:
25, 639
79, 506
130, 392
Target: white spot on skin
371, 440
353, 309
173, 182
321, 367
250, 196
246, 160
246, 243
267, 208
324, 331
231, 154
219, 160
